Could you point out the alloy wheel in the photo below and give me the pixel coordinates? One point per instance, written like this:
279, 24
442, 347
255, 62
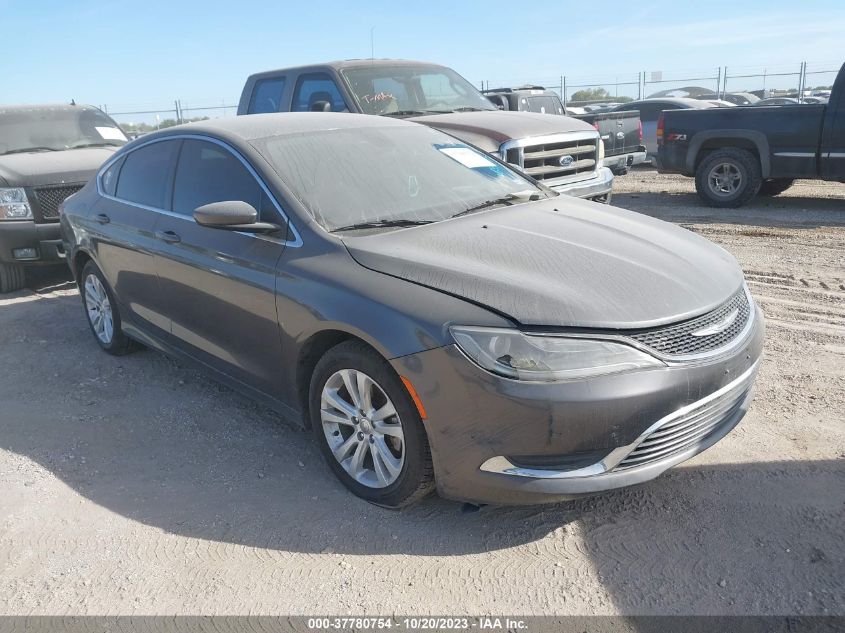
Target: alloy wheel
725, 179
362, 428
99, 309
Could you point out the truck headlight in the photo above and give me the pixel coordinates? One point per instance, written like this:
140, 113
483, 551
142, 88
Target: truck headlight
513, 354
601, 151
14, 205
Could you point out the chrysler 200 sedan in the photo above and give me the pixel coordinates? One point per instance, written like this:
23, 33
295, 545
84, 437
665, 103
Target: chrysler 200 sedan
437, 318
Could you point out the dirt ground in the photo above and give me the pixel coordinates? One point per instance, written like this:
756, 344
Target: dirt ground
136, 485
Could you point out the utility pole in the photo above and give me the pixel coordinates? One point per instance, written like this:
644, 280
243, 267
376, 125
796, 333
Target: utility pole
372, 43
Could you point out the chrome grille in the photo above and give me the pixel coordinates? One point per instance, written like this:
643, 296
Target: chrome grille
690, 424
49, 199
545, 158
683, 339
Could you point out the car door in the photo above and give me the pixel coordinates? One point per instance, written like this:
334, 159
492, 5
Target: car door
220, 284
133, 190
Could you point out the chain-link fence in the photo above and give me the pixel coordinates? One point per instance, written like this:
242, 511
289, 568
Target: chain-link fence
797, 80
792, 80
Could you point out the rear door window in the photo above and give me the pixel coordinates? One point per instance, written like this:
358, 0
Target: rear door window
317, 87
145, 175
267, 95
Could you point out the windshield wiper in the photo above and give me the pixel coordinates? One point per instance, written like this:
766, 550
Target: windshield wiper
30, 149
378, 224
81, 145
406, 112
524, 196
471, 109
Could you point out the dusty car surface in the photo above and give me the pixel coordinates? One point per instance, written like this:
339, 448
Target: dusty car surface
435, 317
47, 152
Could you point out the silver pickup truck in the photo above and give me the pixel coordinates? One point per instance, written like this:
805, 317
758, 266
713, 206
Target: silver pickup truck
563, 153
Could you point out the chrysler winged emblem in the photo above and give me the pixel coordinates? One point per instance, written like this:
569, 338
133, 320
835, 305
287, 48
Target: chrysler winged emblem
719, 326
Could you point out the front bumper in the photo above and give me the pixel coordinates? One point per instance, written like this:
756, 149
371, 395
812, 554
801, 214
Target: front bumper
479, 425
44, 238
597, 187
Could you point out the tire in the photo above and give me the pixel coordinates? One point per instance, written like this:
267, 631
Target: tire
728, 178
373, 481
93, 286
12, 277
775, 186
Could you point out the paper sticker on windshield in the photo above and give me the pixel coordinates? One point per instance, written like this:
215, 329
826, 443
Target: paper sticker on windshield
110, 133
467, 157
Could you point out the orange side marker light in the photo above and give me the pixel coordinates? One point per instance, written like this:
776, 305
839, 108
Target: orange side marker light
415, 397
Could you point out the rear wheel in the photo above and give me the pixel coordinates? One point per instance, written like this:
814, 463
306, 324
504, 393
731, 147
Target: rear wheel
102, 311
12, 277
368, 428
775, 186
728, 178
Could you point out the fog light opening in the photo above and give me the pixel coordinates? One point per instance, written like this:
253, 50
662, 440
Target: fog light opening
25, 253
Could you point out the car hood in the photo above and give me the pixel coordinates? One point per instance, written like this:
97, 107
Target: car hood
49, 168
561, 262
490, 128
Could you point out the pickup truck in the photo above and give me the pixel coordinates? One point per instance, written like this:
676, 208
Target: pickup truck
621, 132
562, 153
736, 153
47, 153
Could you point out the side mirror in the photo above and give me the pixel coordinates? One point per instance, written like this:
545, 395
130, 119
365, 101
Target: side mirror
232, 215
321, 106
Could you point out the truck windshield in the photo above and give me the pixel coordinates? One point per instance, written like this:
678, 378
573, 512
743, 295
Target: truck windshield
350, 178
412, 90
53, 129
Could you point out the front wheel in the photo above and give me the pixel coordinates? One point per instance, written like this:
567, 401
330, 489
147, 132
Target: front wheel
368, 428
12, 277
102, 311
728, 178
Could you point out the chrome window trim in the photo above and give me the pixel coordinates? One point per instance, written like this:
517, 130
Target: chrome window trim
295, 243
502, 465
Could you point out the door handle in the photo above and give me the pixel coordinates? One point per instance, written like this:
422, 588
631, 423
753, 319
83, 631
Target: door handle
102, 218
168, 236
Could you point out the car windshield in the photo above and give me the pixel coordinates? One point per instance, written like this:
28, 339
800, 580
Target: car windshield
53, 129
409, 90
391, 175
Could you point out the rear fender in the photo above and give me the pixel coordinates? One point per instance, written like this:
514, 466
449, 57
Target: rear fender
732, 138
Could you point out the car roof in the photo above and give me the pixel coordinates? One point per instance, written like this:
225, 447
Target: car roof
350, 63
256, 126
28, 107
682, 101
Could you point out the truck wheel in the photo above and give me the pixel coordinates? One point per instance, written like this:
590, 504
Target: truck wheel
775, 186
12, 277
728, 178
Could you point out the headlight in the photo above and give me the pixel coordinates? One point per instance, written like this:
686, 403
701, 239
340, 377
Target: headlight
601, 151
512, 354
14, 205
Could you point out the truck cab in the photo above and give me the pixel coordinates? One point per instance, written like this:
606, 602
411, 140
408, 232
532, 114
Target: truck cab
563, 153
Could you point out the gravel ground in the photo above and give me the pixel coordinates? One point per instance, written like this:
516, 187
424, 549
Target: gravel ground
136, 485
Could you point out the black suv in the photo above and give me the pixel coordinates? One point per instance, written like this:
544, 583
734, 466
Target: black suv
47, 153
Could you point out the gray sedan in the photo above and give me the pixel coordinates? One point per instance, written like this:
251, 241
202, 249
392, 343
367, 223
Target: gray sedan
435, 317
